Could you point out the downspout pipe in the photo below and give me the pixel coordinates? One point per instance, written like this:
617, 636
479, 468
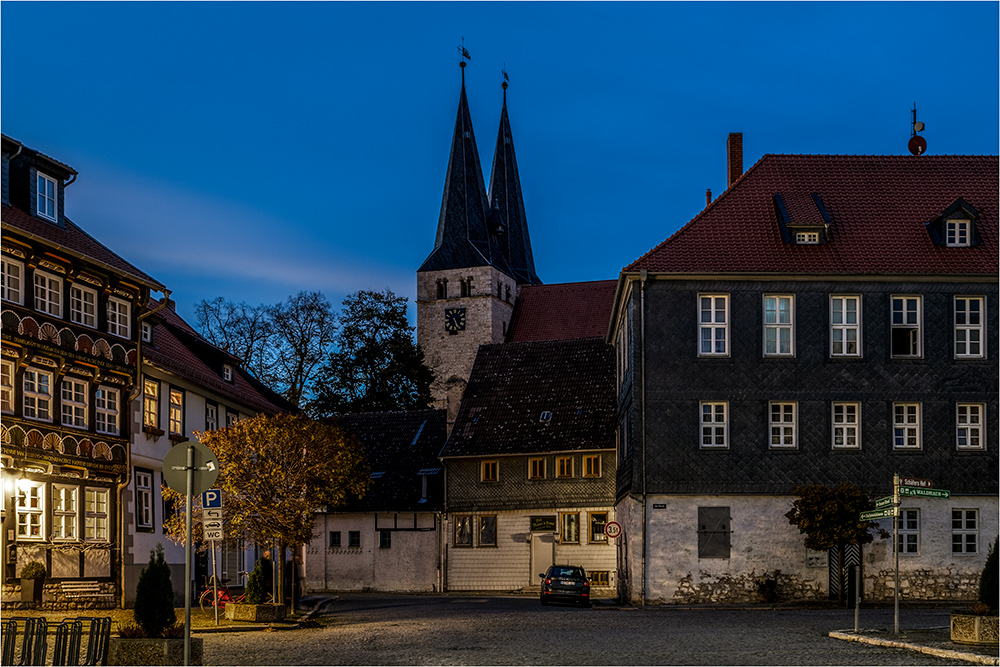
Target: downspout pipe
642, 400
136, 388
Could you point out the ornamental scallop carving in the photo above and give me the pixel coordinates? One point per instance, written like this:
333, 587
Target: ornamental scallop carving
102, 451
85, 447
34, 438
47, 333
4, 435
68, 445
52, 441
28, 327
85, 343
102, 349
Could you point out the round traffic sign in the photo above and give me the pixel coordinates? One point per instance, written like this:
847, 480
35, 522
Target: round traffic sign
613, 529
206, 467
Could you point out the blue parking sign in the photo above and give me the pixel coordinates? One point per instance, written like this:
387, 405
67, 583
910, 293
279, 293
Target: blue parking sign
212, 498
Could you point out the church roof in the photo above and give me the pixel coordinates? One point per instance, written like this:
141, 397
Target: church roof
551, 396
879, 209
561, 311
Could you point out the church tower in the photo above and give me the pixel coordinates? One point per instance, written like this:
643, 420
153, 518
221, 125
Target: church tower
467, 286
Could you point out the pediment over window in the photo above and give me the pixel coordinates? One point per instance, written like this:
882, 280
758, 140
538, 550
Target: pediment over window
802, 219
956, 226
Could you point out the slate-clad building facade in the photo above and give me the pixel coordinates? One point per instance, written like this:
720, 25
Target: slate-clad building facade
827, 319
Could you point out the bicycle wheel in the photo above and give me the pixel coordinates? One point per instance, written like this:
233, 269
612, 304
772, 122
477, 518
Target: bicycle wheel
209, 600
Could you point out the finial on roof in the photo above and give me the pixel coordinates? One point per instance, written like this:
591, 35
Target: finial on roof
505, 79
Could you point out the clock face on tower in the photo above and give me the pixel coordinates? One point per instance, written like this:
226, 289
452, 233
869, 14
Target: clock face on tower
454, 319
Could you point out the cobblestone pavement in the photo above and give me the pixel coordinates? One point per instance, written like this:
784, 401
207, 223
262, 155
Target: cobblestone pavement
437, 630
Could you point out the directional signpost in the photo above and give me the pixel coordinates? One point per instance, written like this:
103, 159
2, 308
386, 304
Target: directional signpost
872, 515
211, 528
923, 492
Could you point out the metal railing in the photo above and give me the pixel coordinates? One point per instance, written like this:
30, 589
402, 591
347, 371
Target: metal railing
25, 641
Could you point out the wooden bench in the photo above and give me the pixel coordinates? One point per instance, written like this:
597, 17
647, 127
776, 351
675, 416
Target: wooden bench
83, 589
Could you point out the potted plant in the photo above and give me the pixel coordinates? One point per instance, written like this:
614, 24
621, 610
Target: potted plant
32, 581
980, 625
253, 607
154, 638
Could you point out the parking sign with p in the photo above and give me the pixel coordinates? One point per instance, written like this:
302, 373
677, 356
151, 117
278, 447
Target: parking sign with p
212, 499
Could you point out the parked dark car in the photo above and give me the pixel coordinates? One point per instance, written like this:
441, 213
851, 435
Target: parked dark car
566, 583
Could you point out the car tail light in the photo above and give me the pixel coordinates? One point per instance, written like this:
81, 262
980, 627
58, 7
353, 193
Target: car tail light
586, 584
548, 582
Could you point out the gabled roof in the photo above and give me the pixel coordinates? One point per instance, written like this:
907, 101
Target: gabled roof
178, 349
464, 234
561, 311
74, 241
878, 205
513, 384
401, 448
505, 198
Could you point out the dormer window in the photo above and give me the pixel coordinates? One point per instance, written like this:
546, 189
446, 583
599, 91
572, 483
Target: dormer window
957, 233
802, 218
955, 227
227, 373
147, 332
807, 238
46, 207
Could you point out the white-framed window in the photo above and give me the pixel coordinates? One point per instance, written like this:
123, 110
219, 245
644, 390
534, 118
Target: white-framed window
845, 326
46, 203
592, 465
232, 418
906, 426
30, 510
83, 305
964, 531
48, 294
714, 423
106, 410
147, 332
227, 373
781, 423
176, 412
598, 522
779, 337
118, 317
13, 281
73, 400
846, 425
7, 386
906, 326
807, 238
969, 318
909, 531
969, 426
713, 325
95, 516
536, 468
143, 499
570, 533
211, 417
150, 403
564, 466
64, 512
37, 395
957, 233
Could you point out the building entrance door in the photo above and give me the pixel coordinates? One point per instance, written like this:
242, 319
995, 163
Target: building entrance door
543, 549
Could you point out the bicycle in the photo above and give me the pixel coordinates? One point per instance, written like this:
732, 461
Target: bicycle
219, 595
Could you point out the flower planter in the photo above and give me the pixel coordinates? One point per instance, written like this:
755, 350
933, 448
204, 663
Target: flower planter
976, 630
31, 591
255, 613
152, 651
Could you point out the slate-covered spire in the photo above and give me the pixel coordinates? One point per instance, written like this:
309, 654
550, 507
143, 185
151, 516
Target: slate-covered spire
505, 198
463, 233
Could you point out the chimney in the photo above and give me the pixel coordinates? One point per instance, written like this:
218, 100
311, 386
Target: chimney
708, 196
171, 304
734, 157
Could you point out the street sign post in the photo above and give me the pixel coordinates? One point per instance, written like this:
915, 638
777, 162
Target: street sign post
916, 481
613, 529
923, 492
872, 515
884, 502
212, 498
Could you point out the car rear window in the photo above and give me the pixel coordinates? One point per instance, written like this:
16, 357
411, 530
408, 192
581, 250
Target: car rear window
567, 572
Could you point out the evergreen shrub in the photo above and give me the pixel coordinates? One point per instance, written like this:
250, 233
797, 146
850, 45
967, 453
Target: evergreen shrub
154, 596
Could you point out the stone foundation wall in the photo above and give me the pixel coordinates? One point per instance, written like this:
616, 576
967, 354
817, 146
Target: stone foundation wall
55, 599
725, 588
924, 584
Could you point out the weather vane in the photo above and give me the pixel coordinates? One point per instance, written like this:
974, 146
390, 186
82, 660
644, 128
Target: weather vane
464, 52
506, 78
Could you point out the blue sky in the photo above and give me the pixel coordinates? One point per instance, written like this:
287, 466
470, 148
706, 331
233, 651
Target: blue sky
252, 150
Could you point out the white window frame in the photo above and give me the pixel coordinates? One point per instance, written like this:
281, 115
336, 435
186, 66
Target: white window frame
227, 372
106, 411
151, 403
7, 392
713, 332
909, 532
906, 426
83, 305
47, 197
13, 281
969, 334
176, 419
840, 324
147, 332
569, 528
119, 317
143, 499
958, 233
714, 428
65, 513
963, 529
37, 404
48, 293
777, 322
782, 425
30, 509
907, 316
211, 417
807, 238
96, 514
969, 419
232, 418
845, 420
73, 402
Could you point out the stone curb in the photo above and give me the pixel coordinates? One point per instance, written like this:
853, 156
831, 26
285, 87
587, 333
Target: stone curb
937, 652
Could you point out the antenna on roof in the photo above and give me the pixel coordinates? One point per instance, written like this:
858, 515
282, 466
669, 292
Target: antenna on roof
917, 144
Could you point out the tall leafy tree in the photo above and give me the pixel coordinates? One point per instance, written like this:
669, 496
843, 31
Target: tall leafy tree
828, 516
305, 327
242, 330
376, 365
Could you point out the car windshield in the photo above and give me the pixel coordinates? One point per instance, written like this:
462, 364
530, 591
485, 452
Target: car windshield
566, 572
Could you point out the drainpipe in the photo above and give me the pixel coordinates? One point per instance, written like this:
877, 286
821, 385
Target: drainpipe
642, 401
128, 446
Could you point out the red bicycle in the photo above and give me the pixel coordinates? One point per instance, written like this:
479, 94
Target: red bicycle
219, 595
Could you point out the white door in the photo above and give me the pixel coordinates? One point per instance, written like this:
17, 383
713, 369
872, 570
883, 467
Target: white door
543, 549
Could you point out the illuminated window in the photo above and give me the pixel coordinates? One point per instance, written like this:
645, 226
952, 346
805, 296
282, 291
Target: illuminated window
7, 386
30, 510
95, 516
64, 512
598, 520
151, 403
570, 528
176, 412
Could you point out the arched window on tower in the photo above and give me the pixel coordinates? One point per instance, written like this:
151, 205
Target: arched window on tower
442, 288
467, 286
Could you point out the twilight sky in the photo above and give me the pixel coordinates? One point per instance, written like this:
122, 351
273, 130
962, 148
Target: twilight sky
253, 150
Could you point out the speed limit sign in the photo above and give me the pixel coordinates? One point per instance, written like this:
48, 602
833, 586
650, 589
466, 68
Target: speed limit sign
613, 529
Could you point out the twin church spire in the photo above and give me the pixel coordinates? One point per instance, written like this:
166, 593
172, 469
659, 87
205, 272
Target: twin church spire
479, 227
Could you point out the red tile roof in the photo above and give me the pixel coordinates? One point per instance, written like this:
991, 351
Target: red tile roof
75, 241
562, 311
879, 207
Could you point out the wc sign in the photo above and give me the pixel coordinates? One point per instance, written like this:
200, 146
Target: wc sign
212, 499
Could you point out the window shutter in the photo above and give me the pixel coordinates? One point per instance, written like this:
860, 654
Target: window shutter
713, 532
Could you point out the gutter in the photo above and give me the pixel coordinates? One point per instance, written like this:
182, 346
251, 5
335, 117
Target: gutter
642, 402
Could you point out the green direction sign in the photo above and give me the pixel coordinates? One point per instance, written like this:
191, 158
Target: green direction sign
883, 502
871, 515
924, 493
